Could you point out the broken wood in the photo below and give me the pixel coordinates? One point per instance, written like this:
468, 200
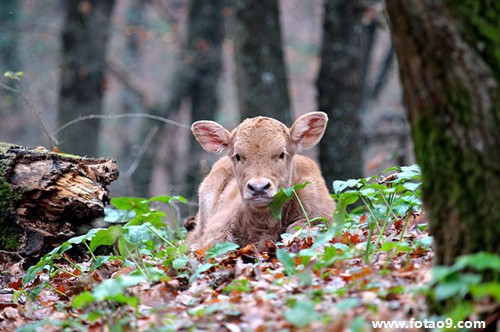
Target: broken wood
45, 197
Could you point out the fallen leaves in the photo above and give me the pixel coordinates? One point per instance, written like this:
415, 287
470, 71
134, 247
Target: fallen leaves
242, 290
317, 279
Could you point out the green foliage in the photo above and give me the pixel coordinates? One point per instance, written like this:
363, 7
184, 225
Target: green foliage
386, 199
302, 314
144, 234
473, 278
311, 269
283, 196
16, 76
220, 249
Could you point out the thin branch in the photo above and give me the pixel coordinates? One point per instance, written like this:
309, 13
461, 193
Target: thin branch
119, 116
25, 99
152, 133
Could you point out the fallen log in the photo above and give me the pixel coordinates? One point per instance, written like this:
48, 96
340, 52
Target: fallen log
45, 197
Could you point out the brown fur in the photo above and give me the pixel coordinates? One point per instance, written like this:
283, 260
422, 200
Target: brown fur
261, 160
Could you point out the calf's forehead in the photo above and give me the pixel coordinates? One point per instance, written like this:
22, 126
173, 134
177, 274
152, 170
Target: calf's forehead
260, 134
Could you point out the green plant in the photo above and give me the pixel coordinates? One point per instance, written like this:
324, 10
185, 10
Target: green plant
455, 289
142, 238
287, 194
385, 199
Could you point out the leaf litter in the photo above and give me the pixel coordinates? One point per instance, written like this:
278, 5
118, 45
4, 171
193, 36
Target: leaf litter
369, 266
302, 284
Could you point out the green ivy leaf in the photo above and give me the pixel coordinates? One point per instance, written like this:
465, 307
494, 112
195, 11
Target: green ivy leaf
137, 234
302, 314
180, 262
281, 197
339, 185
399, 246
287, 260
168, 199
137, 204
105, 237
220, 249
110, 290
201, 268
480, 261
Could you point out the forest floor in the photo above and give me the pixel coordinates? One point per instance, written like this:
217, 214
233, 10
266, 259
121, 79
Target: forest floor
373, 267
312, 282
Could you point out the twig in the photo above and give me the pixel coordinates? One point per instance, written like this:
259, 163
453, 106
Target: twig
119, 116
18, 91
152, 133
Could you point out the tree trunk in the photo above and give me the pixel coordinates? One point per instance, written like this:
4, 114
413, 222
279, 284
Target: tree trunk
132, 102
450, 68
205, 39
340, 87
196, 80
9, 61
260, 67
84, 45
46, 197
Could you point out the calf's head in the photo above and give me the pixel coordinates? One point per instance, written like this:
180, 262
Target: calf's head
261, 150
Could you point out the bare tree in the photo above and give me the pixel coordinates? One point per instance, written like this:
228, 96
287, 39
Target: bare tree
84, 43
450, 68
260, 67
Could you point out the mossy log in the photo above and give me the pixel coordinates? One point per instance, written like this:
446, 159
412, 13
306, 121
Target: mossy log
45, 197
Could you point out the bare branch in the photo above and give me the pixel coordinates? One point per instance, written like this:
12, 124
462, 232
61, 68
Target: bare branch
120, 116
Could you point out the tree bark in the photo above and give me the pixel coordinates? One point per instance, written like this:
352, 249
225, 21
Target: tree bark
84, 44
450, 68
260, 66
340, 87
204, 55
134, 100
46, 197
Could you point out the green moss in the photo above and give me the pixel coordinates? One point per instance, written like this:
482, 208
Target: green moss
480, 27
9, 232
69, 156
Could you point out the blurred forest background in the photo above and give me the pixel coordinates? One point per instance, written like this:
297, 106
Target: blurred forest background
126, 78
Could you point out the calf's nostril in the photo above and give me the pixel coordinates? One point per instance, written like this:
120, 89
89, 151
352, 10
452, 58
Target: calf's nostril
258, 187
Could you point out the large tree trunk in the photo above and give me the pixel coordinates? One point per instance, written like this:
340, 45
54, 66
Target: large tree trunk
46, 197
260, 67
340, 86
449, 63
84, 44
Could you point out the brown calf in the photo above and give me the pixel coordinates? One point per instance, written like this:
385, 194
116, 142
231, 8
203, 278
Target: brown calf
261, 160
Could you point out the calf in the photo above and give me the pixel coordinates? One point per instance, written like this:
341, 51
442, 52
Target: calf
261, 159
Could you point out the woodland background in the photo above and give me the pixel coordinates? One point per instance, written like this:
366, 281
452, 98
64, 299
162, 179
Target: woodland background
161, 59
125, 79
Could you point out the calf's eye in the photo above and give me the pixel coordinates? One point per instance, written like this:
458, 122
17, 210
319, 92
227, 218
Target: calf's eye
282, 155
237, 157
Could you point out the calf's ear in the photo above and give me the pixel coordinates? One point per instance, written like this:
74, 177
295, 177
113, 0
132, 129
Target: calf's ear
211, 136
307, 130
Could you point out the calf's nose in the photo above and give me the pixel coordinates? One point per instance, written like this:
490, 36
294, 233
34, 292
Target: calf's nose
259, 186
